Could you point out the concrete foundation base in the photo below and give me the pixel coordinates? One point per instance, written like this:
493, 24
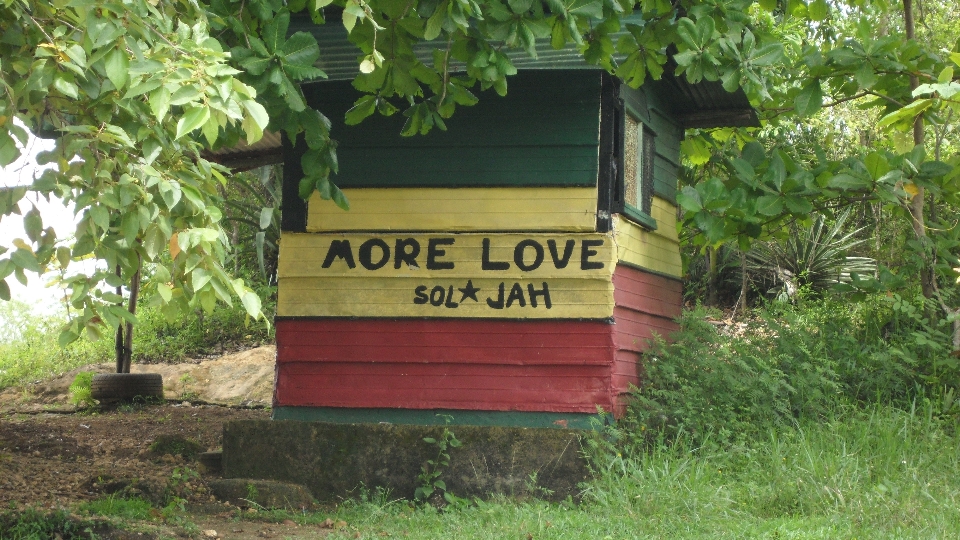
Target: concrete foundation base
333, 460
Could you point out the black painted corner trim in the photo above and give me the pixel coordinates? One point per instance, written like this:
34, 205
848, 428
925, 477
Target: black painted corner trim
293, 209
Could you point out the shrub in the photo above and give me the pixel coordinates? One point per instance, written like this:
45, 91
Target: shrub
792, 362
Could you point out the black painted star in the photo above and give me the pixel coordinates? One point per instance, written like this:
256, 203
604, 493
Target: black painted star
469, 292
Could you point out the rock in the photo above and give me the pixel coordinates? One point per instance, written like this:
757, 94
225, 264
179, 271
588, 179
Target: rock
211, 462
266, 493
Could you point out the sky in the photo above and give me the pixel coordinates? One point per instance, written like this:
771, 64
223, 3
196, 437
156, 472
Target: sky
43, 299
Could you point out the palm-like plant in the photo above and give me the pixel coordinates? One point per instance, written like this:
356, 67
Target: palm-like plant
814, 258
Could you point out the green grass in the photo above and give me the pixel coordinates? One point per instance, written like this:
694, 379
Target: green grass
112, 506
882, 472
30, 352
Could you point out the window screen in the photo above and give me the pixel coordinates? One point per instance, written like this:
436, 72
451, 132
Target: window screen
638, 153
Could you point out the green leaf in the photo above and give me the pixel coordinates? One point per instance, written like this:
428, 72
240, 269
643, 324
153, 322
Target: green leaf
301, 49
876, 165
193, 118
810, 99
362, 108
33, 224
117, 66
767, 55
818, 10
777, 172
339, 198
865, 76
165, 291
4, 290
306, 187
67, 336
251, 303
846, 181
66, 87
770, 205
745, 171
160, 102
689, 199
266, 216
25, 260
905, 113
798, 205
696, 150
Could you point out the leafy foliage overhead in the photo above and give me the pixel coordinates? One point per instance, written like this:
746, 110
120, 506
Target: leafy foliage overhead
134, 90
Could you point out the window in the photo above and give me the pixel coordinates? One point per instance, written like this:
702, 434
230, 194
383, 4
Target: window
639, 151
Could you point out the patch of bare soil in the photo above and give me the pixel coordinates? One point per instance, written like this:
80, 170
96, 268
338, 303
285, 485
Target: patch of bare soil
56, 461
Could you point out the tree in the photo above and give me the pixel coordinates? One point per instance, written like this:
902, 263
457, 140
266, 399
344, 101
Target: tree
865, 55
135, 89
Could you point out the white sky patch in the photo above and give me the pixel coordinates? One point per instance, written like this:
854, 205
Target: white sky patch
22, 172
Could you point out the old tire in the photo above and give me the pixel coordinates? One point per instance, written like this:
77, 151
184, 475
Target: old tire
126, 386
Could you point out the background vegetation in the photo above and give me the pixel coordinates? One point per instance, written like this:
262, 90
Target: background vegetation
817, 394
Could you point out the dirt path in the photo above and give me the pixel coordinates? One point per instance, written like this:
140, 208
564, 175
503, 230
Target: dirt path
59, 460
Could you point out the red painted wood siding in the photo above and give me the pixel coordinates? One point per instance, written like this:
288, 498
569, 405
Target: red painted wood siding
555, 366
559, 366
646, 304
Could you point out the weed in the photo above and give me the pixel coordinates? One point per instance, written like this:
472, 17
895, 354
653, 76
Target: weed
176, 445
80, 390
32, 524
252, 493
429, 477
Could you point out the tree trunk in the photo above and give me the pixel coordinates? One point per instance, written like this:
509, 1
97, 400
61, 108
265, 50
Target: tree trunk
124, 339
713, 294
916, 206
134, 295
119, 348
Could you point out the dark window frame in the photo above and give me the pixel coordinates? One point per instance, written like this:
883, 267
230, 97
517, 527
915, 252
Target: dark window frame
616, 102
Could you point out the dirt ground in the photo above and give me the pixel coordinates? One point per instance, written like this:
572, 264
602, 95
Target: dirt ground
57, 460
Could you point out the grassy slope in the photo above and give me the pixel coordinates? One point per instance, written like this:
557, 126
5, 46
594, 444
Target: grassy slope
29, 350
858, 471
882, 473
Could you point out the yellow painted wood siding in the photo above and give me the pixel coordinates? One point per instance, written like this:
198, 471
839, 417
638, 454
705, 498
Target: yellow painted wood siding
458, 209
334, 275
657, 250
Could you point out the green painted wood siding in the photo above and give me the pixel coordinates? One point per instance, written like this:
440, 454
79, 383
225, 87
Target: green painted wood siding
669, 132
545, 132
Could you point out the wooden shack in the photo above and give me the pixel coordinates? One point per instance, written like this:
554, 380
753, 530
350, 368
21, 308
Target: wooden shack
507, 271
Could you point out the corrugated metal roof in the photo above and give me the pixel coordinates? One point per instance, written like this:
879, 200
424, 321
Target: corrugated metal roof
243, 156
702, 105
705, 104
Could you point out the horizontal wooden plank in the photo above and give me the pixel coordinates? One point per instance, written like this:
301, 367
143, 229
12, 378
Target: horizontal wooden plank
468, 167
458, 209
440, 297
544, 132
434, 417
635, 330
647, 293
647, 249
445, 341
665, 180
433, 255
454, 275
665, 213
453, 386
